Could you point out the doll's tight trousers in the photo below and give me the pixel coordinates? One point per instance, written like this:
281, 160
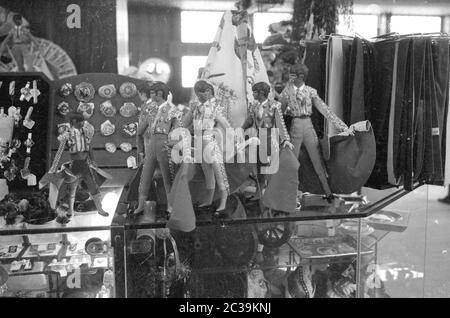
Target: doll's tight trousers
155, 153
303, 132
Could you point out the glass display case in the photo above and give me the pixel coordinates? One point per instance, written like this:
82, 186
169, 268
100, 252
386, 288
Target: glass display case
53, 260
311, 253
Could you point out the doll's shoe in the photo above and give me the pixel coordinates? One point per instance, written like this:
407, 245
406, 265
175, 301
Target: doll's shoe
137, 212
103, 213
220, 214
330, 198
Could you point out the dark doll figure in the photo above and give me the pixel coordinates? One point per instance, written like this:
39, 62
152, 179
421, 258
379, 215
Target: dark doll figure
81, 167
298, 100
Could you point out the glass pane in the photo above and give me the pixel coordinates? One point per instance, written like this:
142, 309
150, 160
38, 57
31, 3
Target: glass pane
189, 69
363, 24
261, 22
415, 24
199, 26
437, 276
58, 265
397, 235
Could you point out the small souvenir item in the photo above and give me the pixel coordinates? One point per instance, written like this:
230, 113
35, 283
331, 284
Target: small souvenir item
107, 91
107, 109
110, 147
87, 109
25, 172
84, 92
128, 110
26, 93
12, 88
62, 128
131, 162
6, 126
17, 117
12, 111
27, 122
128, 90
11, 173
130, 129
107, 128
29, 143
66, 89
35, 92
64, 108
126, 147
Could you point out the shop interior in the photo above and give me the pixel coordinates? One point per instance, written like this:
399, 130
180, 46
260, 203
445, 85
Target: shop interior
73, 226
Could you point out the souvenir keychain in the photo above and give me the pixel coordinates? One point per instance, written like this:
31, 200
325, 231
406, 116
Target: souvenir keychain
26, 93
12, 108
29, 143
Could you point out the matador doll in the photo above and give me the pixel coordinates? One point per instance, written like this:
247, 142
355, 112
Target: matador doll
207, 116
263, 115
298, 100
82, 167
156, 129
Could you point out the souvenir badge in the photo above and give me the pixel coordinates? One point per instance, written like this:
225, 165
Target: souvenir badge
66, 89
128, 110
26, 93
84, 92
87, 109
130, 129
62, 128
110, 147
107, 109
126, 147
107, 91
128, 90
63, 108
107, 128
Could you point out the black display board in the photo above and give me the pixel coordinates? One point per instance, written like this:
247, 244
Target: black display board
40, 131
103, 158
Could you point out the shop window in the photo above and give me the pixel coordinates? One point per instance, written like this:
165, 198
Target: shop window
261, 22
199, 26
363, 24
415, 24
189, 69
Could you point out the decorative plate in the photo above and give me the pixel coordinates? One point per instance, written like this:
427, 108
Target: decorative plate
63, 108
128, 90
66, 89
107, 128
107, 109
107, 91
87, 109
126, 147
128, 110
130, 129
84, 92
110, 147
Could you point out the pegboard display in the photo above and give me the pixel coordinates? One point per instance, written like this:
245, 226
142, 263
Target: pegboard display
106, 101
16, 96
